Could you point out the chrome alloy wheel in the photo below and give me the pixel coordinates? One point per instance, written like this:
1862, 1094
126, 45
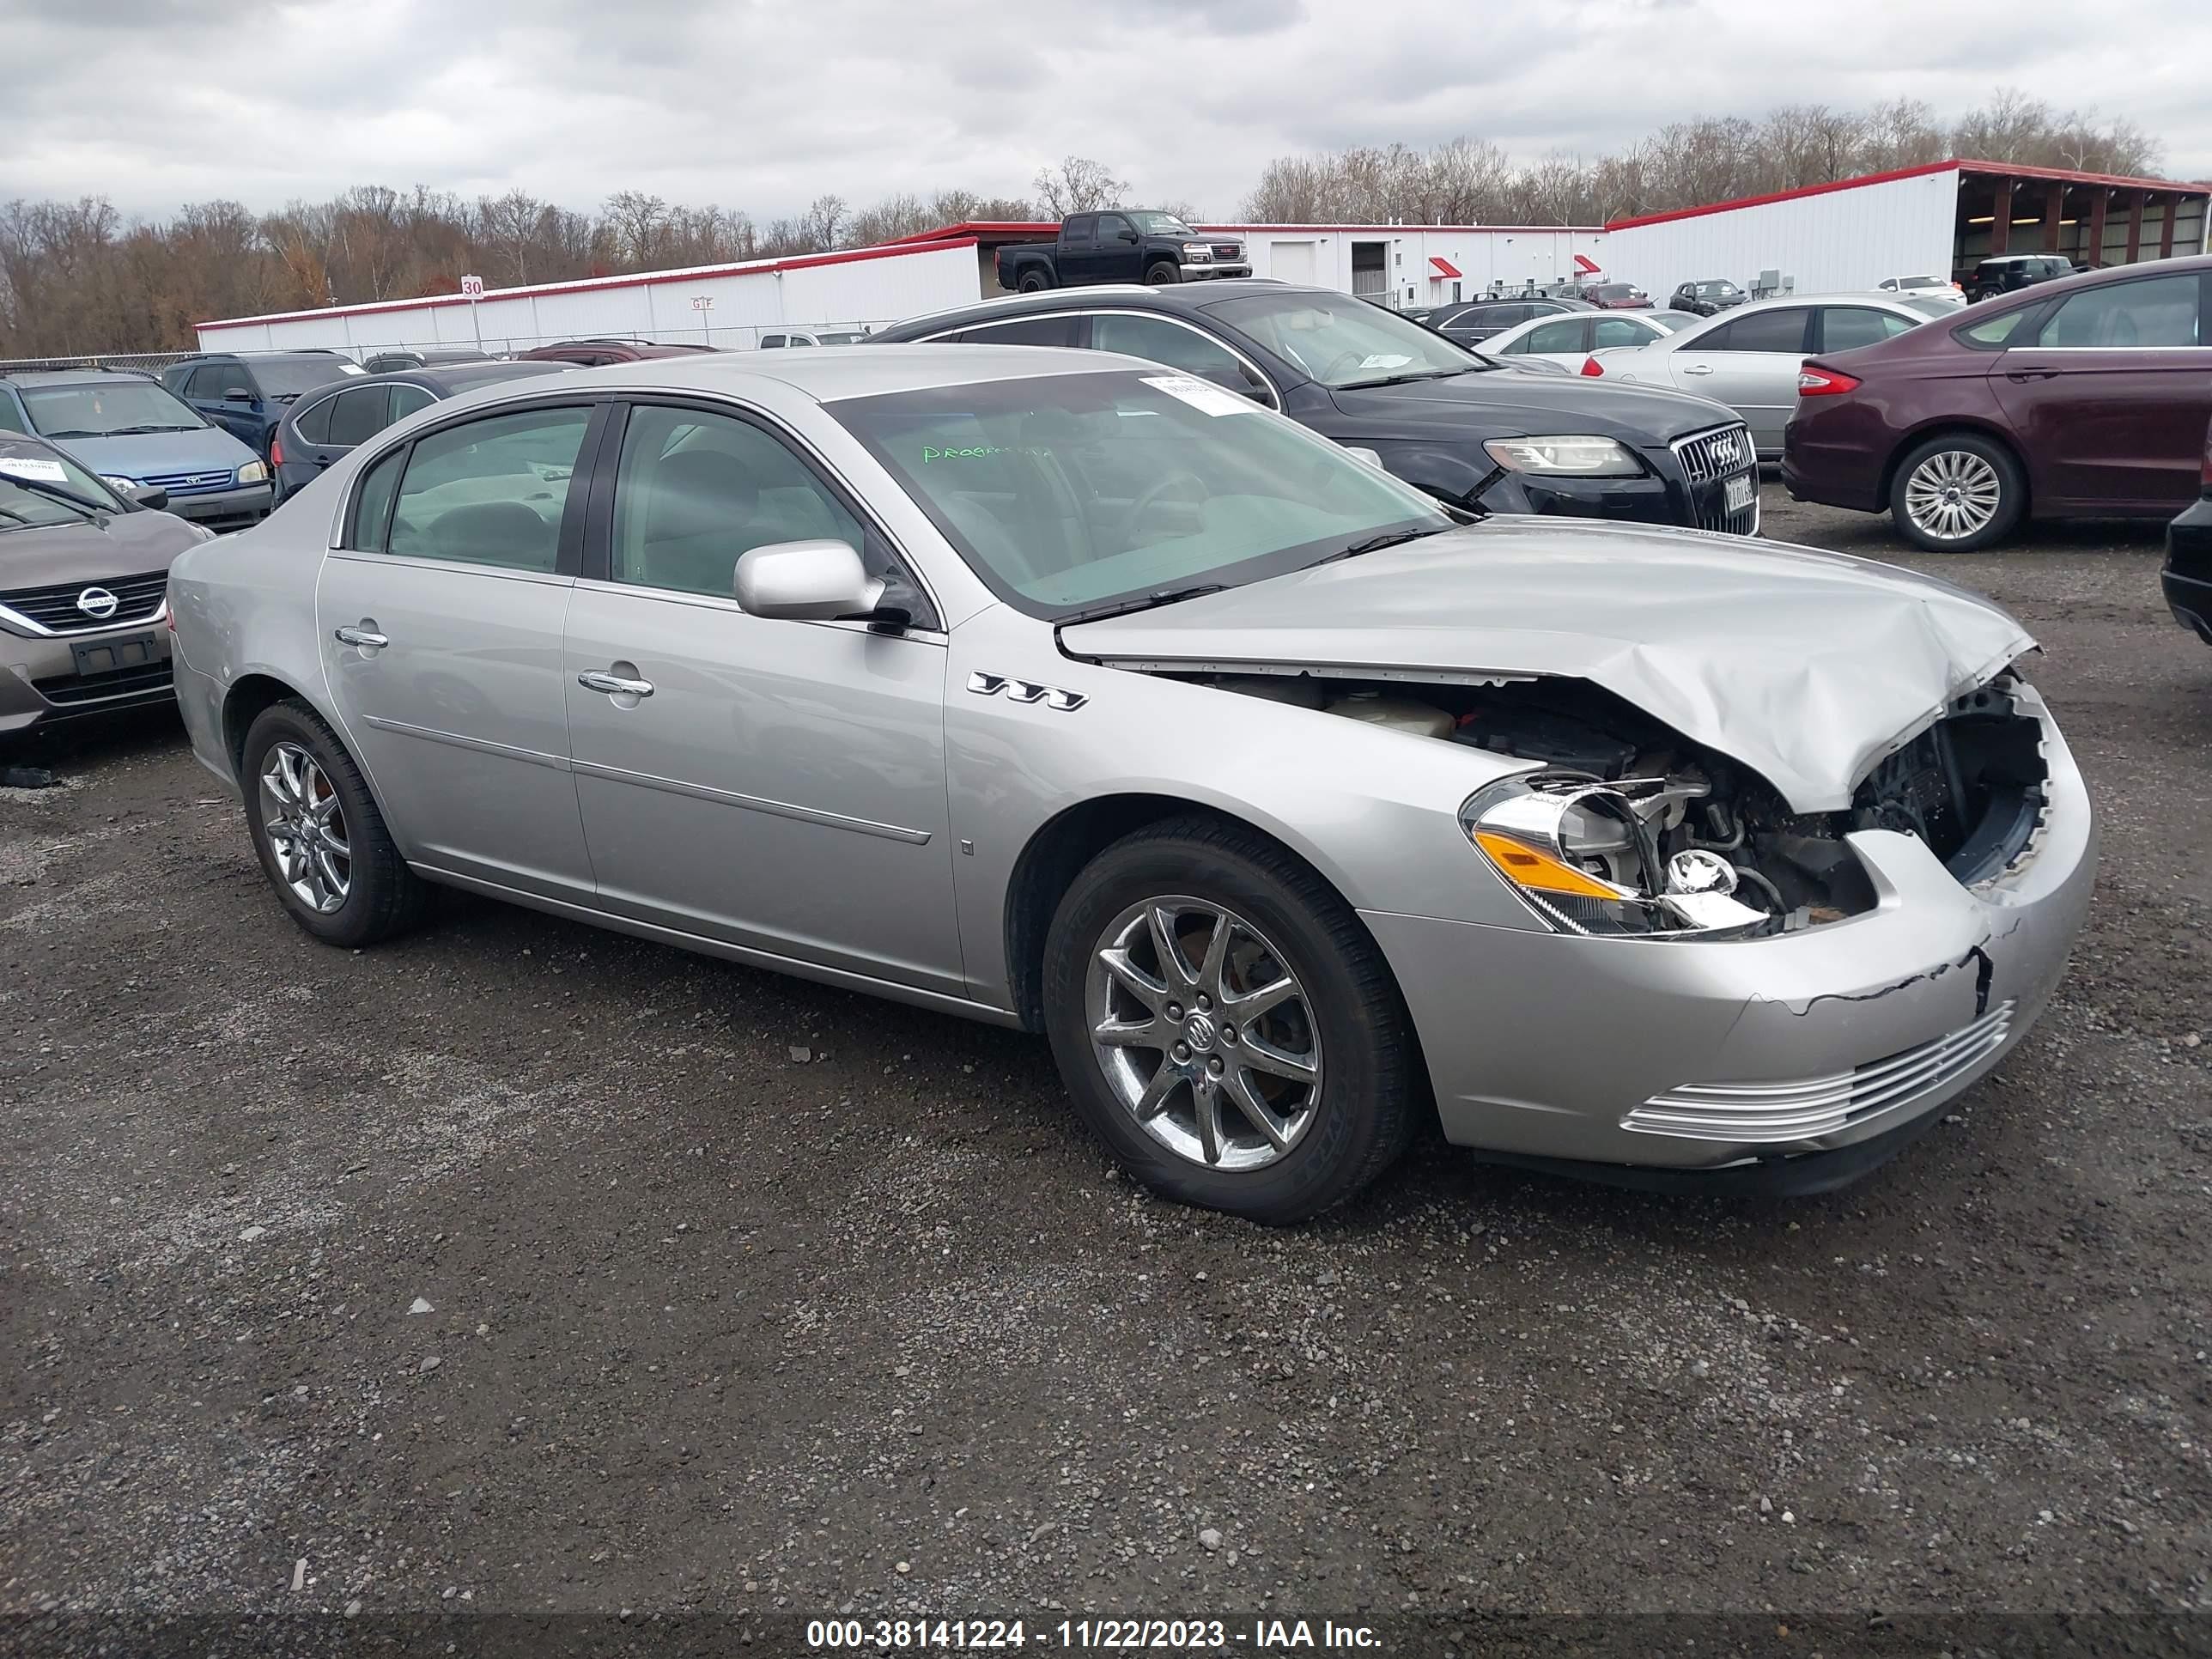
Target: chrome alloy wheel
1204, 1034
1953, 494
306, 823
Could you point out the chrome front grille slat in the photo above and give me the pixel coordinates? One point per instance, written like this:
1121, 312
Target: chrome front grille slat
1708, 459
1807, 1106
185, 483
54, 609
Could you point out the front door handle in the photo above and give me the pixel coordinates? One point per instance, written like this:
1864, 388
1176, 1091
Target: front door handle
615, 685
366, 637
1697, 368
2023, 374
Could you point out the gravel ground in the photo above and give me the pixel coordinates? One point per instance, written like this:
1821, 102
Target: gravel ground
519, 1267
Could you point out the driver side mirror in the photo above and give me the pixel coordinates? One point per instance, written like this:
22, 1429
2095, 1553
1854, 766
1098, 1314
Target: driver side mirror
1125, 235
236, 394
152, 497
806, 581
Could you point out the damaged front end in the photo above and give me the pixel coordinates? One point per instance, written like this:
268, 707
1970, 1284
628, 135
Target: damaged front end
1623, 827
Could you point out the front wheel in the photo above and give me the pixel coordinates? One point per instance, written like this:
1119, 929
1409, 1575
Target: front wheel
1161, 273
322, 842
1957, 493
1226, 1025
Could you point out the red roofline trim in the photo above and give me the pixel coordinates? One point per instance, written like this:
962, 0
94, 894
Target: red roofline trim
1980, 169
596, 284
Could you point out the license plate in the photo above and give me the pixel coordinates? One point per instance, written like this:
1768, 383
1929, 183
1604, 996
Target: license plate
113, 656
1742, 491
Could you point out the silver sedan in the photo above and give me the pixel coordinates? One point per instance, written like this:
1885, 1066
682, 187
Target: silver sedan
1749, 357
1070, 693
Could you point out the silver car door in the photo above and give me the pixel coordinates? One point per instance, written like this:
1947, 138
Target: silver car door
440, 626
1750, 363
776, 784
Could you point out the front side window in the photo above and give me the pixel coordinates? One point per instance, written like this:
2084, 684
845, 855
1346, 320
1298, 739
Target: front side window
1159, 341
1065, 491
490, 491
1110, 226
1344, 341
1565, 335
772, 342
694, 491
359, 415
210, 381
1843, 327
2161, 311
106, 408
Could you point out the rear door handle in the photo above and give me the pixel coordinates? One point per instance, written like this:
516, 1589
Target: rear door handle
2019, 374
367, 638
594, 679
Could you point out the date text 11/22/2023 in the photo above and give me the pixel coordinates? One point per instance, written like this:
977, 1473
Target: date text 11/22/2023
1164, 1635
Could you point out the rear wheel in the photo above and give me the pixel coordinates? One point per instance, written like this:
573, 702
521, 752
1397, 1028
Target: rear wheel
1160, 273
1226, 1024
322, 843
1957, 493
1033, 281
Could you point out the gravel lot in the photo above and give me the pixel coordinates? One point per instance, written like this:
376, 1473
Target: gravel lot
524, 1268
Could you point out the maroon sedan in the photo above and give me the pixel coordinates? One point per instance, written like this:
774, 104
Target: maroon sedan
590, 354
1617, 296
2085, 398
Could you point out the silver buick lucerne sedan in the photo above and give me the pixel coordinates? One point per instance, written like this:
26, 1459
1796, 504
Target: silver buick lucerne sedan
1066, 692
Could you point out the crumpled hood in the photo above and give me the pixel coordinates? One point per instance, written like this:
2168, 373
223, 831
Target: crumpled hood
1807, 666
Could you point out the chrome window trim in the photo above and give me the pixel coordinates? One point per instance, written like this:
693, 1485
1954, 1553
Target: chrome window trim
718, 602
1274, 392
417, 561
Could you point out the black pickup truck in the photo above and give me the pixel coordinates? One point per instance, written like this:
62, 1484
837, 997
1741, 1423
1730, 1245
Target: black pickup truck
1126, 245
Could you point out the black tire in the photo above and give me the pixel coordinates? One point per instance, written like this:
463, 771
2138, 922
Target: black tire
1366, 1111
1033, 281
384, 897
1160, 273
1957, 449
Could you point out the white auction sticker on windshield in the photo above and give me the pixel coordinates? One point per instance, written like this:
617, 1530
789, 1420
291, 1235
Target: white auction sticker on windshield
1201, 394
33, 467
1383, 359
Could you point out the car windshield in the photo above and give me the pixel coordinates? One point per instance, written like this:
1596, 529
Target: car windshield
1716, 290
106, 408
840, 339
1612, 291
1343, 341
288, 377
1920, 282
1161, 224
30, 474
1065, 491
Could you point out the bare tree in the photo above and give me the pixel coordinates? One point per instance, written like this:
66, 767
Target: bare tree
1078, 184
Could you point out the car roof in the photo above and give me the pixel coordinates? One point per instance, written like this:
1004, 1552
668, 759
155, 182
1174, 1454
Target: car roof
833, 373
74, 376
1181, 296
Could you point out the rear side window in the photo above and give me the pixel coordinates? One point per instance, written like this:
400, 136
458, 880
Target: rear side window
359, 415
1078, 230
491, 491
1616, 332
372, 504
2161, 311
1023, 331
1994, 331
1763, 330
313, 422
406, 399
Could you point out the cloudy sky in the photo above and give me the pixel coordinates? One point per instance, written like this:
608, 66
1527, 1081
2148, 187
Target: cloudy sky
762, 104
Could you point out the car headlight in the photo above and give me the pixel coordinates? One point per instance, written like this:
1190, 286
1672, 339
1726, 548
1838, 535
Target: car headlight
1581, 458
253, 473
1580, 855
1198, 250
122, 486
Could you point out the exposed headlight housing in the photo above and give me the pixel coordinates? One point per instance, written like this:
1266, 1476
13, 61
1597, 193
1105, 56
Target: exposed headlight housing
121, 485
1579, 854
1197, 251
1565, 457
253, 473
